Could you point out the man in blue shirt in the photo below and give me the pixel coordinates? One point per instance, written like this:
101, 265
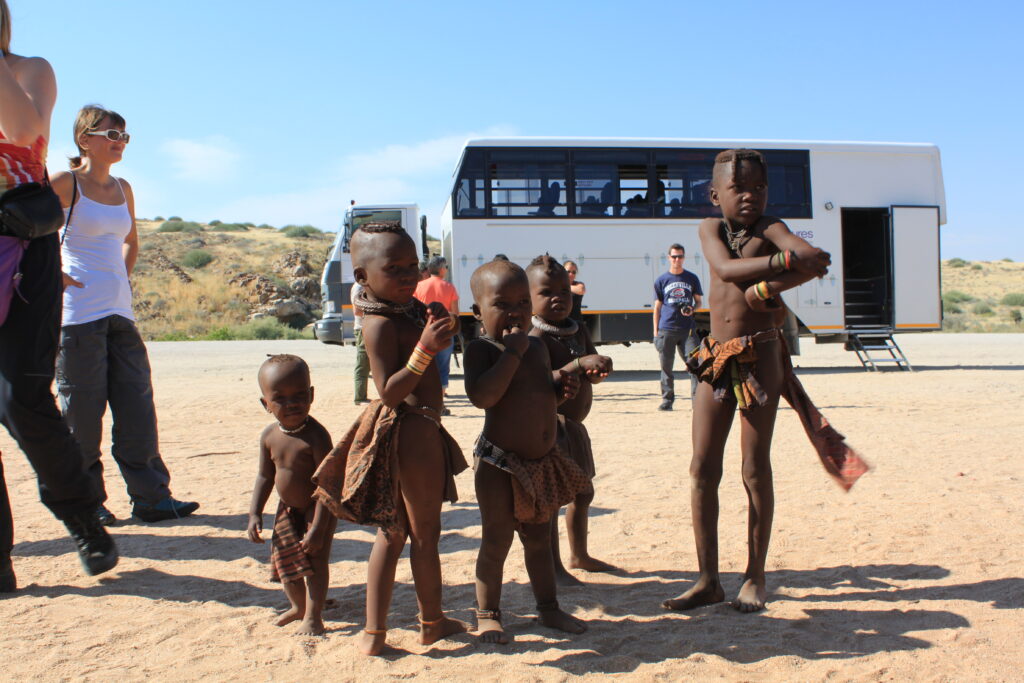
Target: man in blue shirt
676, 294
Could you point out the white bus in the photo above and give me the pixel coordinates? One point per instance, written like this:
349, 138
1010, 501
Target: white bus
615, 205
335, 327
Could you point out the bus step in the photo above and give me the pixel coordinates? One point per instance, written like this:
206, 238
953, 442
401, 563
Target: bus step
874, 350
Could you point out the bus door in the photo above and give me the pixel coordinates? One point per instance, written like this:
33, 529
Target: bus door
915, 242
867, 269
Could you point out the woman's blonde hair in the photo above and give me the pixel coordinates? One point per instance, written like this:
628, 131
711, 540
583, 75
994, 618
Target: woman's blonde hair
5, 28
89, 119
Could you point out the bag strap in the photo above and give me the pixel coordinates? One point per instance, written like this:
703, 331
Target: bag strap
71, 209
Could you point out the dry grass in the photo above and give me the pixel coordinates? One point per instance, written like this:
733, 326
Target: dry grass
168, 308
986, 283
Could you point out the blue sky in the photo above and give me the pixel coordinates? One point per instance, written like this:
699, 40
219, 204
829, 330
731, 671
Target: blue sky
283, 112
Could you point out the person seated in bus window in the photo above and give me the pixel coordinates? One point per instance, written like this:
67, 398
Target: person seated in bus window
637, 207
591, 206
549, 197
522, 476
675, 207
744, 364
573, 351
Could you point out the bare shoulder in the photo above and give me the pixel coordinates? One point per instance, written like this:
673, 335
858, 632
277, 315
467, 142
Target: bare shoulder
125, 185
63, 184
30, 67
320, 434
709, 227
267, 432
770, 225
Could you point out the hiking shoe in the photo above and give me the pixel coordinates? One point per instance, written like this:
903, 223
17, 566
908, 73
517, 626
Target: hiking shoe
8, 582
168, 508
96, 548
665, 405
107, 517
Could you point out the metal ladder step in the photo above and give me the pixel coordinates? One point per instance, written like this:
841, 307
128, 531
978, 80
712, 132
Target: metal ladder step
871, 347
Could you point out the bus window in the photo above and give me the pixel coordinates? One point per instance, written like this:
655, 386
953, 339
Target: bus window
528, 182
469, 188
789, 194
686, 177
611, 183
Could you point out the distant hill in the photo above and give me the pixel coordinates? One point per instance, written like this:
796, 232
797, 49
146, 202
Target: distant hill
209, 281
982, 296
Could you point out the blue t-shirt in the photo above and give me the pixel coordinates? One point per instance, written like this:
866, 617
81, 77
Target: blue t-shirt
676, 292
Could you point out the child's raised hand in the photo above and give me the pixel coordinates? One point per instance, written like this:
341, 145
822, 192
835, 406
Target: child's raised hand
812, 260
255, 527
515, 340
596, 365
570, 384
437, 333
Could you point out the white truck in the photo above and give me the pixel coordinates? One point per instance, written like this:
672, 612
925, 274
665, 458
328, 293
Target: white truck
335, 327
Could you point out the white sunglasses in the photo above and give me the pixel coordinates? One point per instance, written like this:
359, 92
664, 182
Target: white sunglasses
113, 135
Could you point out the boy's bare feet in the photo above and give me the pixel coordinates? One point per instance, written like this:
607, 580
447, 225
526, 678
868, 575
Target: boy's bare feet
751, 596
551, 616
290, 615
591, 564
433, 631
488, 625
371, 641
564, 578
311, 627
702, 593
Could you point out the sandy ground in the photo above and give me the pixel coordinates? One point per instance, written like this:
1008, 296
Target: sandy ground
916, 574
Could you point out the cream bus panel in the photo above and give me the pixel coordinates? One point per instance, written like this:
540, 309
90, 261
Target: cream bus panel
915, 231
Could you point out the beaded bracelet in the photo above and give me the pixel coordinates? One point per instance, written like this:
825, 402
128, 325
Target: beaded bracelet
576, 365
781, 260
761, 291
419, 360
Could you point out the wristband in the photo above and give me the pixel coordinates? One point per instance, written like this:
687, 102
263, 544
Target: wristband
761, 291
419, 360
576, 364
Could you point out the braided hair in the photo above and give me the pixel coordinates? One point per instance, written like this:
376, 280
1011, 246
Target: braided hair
548, 265
731, 158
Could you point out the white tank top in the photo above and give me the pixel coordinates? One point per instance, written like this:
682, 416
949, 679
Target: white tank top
91, 253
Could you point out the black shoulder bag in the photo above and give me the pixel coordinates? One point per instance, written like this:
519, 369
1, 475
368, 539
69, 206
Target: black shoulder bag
30, 210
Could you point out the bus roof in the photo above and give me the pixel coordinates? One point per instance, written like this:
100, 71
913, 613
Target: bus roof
831, 146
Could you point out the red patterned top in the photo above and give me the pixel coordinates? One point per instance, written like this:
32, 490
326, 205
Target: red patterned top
20, 165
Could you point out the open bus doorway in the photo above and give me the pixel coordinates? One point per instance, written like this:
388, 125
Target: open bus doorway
867, 269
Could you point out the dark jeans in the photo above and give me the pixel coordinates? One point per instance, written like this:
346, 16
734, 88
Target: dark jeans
28, 349
668, 343
101, 362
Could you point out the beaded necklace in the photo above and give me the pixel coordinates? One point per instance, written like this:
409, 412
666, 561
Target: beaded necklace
414, 310
296, 430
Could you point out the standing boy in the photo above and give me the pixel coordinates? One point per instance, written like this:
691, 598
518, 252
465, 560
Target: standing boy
571, 349
677, 294
396, 465
745, 364
522, 478
290, 451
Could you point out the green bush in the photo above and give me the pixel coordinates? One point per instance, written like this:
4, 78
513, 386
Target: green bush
300, 231
1015, 315
266, 226
955, 296
197, 258
1013, 299
215, 221
229, 227
976, 266
174, 218
178, 225
956, 263
159, 219
1007, 260
220, 334
981, 308
950, 307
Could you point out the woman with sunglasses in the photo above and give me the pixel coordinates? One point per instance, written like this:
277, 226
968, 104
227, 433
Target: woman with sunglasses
102, 358
28, 336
